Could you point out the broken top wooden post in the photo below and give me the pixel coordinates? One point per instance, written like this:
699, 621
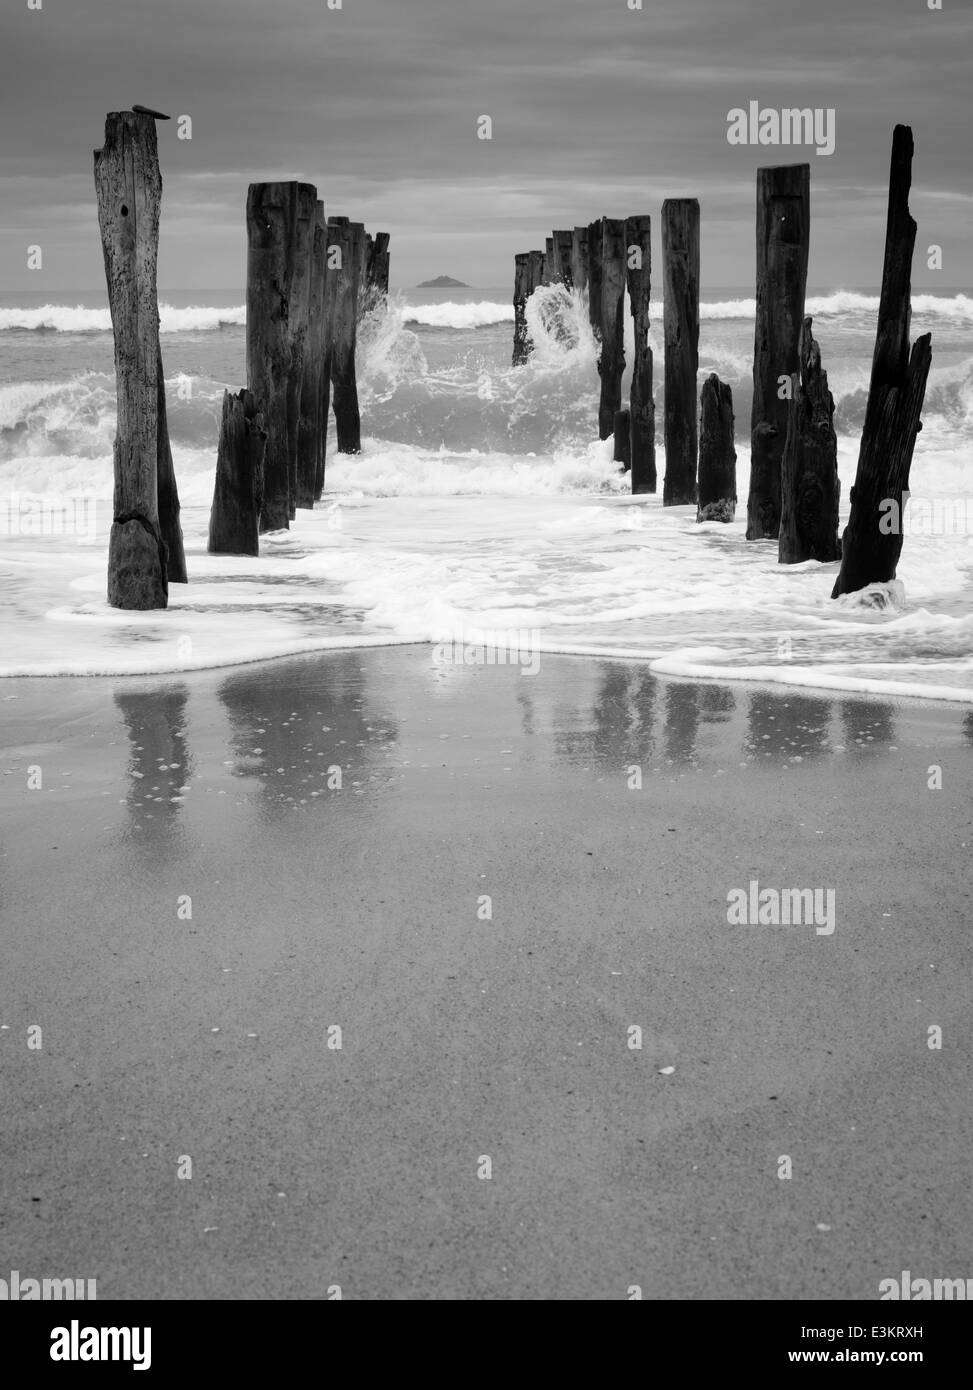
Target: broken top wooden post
638, 264
717, 498
129, 192
809, 486
378, 267
783, 236
680, 263
872, 542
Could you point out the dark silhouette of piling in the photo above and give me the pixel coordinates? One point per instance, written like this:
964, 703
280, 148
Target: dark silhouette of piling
623, 439
550, 262
783, 234
872, 541
809, 486
311, 425
349, 238
611, 364
562, 257
594, 277
169, 494
522, 292
717, 456
234, 520
638, 263
579, 258
299, 316
128, 185
680, 255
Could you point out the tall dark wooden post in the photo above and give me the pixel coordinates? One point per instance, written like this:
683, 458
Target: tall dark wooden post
594, 277
128, 185
783, 236
562, 257
235, 515
717, 456
310, 435
169, 494
550, 262
298, 325
622, 449
611, 365
331, 276
348, 237
272, 239
536, 262
579, 258
522, 292
378, 267
872, 542
638, 263
809, 486
680, 257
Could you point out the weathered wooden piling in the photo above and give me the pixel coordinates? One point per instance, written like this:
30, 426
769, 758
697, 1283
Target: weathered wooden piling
809, 486
717, 456
622, 428
330, 299
594, 277
522, 292
377, 278
169, 494
611, 364
550, 262
579, 258
349, 238
680, 257
272, 214
234, 520
872, 541
562, 256
298, 324
128, 185
312, 427
638, 263
783, 234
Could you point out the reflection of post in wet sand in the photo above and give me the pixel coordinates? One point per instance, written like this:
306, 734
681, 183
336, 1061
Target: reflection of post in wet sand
292, 724
682, 722
160, 766
787, 726
968, 727
869, 725
621, 721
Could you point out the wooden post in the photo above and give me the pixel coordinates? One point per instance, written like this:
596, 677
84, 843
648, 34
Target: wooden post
310, 436
623, 439
579, 258
638, 262
550, 262
783, 234
272, 212
330, 298
594, 277
535, 271
680, 256
611, 364
809, 486
562, 257
298, 324
522, 291
128, 185
378, 267
717, 455
872, 542
349, 238
234, 521
169, 494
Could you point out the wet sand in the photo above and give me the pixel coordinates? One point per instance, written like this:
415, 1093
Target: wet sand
463, 1037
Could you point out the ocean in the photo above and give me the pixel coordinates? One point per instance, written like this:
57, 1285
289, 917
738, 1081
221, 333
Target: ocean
482, 503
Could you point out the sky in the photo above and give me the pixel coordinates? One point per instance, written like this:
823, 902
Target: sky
597, 109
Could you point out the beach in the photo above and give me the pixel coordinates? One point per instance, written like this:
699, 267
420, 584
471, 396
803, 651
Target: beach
474, 1030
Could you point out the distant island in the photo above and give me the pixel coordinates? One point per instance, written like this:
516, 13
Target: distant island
443, 282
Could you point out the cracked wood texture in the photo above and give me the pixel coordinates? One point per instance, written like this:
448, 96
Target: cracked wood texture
809, 486
783, 235
680, 272
128, 185
642, 409
870, 547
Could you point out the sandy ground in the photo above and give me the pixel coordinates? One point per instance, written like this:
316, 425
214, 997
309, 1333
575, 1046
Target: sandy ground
462, 1037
